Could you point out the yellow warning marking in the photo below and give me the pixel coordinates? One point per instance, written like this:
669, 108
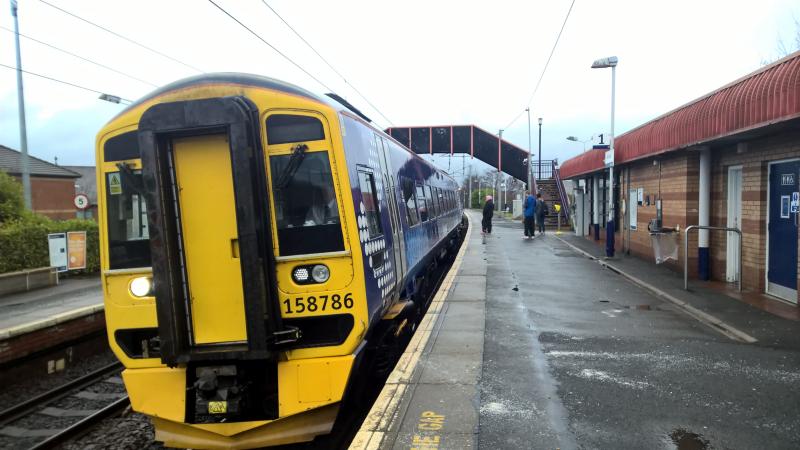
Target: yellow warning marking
217, 407
386, 407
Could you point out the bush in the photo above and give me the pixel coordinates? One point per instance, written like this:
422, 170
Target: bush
12, 205
23, 242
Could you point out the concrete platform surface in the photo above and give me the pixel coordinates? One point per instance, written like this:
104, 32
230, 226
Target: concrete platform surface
27, 311
530, 344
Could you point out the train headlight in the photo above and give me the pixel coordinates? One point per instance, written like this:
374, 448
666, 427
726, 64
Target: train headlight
320, 273
300, 275
142, 287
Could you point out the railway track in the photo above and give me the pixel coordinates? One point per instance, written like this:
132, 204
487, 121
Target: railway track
59, 414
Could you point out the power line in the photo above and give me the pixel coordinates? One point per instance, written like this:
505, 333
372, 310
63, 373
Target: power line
127, 102
268, 44
326, 61
82, 58
150, 49
553, 50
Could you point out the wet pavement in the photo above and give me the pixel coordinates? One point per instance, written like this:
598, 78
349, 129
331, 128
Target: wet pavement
576, 356
42, 304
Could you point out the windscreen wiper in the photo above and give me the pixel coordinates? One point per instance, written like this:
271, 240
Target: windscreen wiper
298, 154
129, 178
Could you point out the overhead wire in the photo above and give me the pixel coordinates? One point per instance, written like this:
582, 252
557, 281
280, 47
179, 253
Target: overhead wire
127, 101
269, 45
82, 58
132, 41
552, 51
326, 62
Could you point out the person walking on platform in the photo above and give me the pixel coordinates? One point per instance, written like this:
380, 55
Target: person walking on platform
541, 212
529, 216
488, 212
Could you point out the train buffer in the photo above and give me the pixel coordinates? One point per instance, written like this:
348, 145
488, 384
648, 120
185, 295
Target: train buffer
429, 400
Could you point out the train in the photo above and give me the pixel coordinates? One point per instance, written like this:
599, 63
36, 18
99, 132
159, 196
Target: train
263, 249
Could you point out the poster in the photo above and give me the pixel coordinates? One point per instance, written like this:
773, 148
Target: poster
57, 244
76, 250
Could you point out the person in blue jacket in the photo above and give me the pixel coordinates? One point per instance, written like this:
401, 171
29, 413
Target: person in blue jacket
529, 214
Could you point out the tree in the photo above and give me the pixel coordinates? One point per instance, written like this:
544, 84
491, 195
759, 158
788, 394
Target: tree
12, 205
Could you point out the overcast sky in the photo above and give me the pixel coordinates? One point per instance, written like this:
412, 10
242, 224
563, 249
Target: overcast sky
418, 62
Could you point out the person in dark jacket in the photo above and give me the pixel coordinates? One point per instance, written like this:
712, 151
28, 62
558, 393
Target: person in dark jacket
541, 211
488, 212
529, 213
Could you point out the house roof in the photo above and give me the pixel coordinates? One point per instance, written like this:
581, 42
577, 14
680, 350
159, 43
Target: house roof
11, 162
87, 183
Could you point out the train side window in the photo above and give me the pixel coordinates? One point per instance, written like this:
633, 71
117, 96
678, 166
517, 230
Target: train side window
411, 202
433, 206
442, 204
128, 234
284, 128
422, 203
366, 181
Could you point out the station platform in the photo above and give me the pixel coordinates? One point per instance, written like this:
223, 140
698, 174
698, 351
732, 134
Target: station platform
431, 399
35, 320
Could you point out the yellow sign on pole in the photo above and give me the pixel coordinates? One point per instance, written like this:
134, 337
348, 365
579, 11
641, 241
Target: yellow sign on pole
76, 250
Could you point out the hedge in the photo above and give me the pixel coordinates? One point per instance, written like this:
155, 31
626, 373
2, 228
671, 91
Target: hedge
23, 242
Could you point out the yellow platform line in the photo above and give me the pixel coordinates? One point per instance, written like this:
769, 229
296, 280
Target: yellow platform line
385, 410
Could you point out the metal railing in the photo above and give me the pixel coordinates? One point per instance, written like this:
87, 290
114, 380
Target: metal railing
686, 252
562, 193
543, 170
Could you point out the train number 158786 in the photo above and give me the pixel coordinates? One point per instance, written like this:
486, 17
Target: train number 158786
316, 303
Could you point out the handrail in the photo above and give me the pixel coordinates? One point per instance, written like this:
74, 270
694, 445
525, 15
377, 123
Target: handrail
565, 206
686, 251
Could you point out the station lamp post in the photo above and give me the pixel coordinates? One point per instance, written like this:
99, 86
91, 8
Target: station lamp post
604, 63
530, 155
540, 148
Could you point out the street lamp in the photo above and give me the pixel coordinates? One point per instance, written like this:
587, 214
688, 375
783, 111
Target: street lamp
540, 148
110, 98
23, 131
604, 63
574, 139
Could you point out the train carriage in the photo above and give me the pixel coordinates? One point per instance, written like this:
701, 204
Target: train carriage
257, 241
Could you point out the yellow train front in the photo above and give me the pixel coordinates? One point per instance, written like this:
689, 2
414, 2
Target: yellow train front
255, 238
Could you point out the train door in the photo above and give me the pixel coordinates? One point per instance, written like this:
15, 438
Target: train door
389, 187
208, 222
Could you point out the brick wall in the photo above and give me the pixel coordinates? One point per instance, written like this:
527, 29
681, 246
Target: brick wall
53, 197
674, 180
678, 185
755, 178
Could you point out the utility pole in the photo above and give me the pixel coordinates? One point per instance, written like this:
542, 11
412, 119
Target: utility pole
496, 184
23, 133
470, 187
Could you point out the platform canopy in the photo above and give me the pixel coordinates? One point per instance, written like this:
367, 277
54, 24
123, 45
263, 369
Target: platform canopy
469, 139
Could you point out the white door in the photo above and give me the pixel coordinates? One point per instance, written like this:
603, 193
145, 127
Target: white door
579, 214
734, 221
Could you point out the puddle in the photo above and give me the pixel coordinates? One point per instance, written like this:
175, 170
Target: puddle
604, 301
642, 307
686, 440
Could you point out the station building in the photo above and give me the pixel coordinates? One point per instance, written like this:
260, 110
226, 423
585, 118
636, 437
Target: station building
730, 158
52, 186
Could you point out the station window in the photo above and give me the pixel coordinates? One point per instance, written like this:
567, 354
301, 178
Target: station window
366, 181
128, 234
422, 203
306, 210
284, 128
411, 202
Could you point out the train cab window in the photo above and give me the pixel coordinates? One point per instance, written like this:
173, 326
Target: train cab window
128, 234
422, 204
366, 181
411, 202
284, 128
306, 210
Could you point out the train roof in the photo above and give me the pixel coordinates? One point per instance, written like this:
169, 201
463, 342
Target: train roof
244, 79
